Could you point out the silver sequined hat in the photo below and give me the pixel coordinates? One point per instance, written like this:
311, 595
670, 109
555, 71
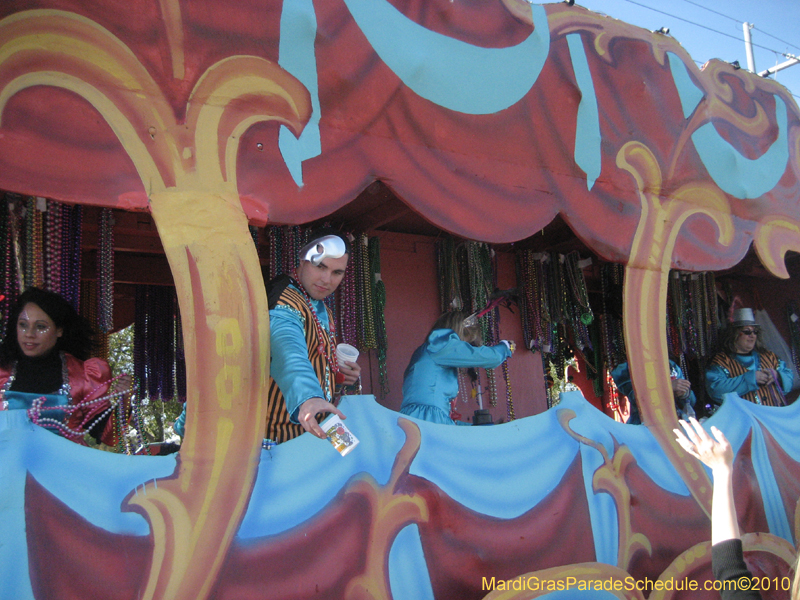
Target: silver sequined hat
743, 317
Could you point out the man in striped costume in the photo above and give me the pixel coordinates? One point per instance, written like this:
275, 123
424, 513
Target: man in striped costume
304, 373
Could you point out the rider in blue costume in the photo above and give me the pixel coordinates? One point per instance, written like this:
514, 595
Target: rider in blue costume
685, 399
431, 378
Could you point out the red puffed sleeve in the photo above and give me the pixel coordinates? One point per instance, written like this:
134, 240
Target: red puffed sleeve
89, 382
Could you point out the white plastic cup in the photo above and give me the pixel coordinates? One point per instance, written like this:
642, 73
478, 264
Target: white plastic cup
346, 353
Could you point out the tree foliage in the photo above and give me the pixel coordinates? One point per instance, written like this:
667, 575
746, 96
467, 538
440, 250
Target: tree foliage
153, 417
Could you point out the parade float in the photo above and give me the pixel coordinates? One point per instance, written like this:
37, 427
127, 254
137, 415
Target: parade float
488, 119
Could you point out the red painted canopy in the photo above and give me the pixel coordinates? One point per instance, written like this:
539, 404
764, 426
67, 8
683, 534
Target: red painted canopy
497, 174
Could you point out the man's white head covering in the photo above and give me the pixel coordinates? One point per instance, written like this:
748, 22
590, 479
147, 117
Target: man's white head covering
322, 247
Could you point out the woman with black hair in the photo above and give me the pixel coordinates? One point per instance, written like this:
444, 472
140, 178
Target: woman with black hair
46, 369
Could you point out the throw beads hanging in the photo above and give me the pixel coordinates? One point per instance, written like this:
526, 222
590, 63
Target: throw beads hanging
691, 314
52, 256
793, 320
155, 341
34, 244
88, 310
10, 285
114, 398
366, 321
72, 237
612, 338
448, 275
578, 309
379, 304
347, 301
105, 272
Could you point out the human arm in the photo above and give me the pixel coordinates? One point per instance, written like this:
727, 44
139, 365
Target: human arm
293, 372
682, 390
96, 396
449, 350
726, 552
786, 377
179, 426
715, 452
308, 410
621, 375
685, 399
718, 383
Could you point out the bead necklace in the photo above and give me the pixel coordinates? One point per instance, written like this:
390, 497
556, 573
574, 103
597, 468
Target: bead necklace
27, 243
464, 390
348, 303
275, 251
450, 288
66, 241
558, 291
523, 284
379, 297
481, 280
157, 339
463, 274
577, 280
329, 356
360, 293
40, 206
606, 326
138, 422
105, 273
296, 239
509, 401
673, 315
35, 413
370, 334
179, 355
16, 232
71, 274
33, 241
793, 320
580, 312
544, 320
10, 288
53, 247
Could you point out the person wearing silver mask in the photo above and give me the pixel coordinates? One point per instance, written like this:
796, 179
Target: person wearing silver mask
304, 374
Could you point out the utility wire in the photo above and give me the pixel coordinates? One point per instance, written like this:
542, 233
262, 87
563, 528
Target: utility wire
698, 5
738, 21
738, 39
777, 38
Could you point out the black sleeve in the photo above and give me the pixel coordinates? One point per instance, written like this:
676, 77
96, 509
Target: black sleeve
727, 562
275, 288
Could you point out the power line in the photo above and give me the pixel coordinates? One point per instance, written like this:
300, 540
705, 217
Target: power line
738, 39
698, 5
776, 38
739, 22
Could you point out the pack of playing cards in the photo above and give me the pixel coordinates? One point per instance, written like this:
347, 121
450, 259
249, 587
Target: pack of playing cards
339, 435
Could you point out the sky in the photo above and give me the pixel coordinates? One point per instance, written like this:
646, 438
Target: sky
713, 29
